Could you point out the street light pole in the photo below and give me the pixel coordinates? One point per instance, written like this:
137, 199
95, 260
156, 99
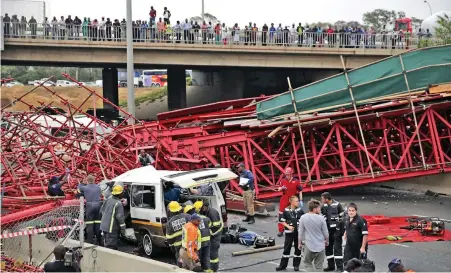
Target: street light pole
430, 9
130, 70
203, 5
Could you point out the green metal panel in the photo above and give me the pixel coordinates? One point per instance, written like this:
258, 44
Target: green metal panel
383, 78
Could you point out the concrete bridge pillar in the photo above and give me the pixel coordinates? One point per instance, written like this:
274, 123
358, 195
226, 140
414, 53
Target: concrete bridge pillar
176, 88
231, 84
110, 89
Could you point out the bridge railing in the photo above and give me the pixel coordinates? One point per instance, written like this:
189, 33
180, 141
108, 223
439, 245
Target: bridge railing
223, 37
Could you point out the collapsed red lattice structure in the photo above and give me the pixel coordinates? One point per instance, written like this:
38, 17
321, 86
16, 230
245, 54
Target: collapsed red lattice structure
226, 133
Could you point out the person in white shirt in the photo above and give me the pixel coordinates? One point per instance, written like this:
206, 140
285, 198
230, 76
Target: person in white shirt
236, 34
62, 28
46, 26
187, 31
102, 29
211, 32
224, 33
293, 34
177, 28
166, 15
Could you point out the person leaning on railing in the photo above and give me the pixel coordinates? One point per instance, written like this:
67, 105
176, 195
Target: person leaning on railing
33, 27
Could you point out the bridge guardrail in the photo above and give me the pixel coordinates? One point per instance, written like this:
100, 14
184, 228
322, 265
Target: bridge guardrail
228, 37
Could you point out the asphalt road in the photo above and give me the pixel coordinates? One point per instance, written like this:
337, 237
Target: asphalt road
421, 257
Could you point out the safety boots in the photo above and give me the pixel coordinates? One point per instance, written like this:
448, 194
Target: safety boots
247, 218
251, 220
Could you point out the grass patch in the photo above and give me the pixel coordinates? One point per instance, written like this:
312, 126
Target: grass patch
151, 96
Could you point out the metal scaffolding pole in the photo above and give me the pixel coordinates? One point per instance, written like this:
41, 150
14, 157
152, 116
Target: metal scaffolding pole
203, 13
130, 71
413, 111
293, 101
357, 115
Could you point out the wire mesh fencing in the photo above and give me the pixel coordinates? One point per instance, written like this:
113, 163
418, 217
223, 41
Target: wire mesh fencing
28, 244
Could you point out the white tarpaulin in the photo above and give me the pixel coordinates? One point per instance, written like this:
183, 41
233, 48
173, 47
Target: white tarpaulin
431, 22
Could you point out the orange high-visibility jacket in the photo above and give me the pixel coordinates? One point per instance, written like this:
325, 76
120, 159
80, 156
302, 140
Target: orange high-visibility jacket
191, 240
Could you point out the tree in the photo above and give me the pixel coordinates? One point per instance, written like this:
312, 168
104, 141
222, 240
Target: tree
401, 14
380, 17
207, 17
24, 74
443, 31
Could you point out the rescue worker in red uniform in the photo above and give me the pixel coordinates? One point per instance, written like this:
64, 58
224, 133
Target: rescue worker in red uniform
289, 186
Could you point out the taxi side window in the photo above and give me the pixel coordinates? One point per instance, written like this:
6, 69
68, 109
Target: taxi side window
143, 197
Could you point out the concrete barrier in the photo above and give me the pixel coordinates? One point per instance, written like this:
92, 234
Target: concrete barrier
440, 183
95, 258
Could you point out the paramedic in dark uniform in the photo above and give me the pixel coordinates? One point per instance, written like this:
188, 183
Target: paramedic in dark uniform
331, 210
177, 219
289, 219
56, 183
216, 231
92, 193
356, 235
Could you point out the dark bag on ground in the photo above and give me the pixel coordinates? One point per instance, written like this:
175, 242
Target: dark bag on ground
232, 236
367, 264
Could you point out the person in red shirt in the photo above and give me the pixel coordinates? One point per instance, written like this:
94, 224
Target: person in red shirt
153, 16
289, 186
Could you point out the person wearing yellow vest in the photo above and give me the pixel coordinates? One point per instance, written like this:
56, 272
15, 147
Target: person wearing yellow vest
216, 231
191, 237
300, 30
113, 218
205, 230
174, 226
168, 31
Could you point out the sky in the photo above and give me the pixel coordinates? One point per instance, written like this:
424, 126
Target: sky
230, 11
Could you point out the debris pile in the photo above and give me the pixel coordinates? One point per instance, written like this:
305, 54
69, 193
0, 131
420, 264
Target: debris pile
42, 143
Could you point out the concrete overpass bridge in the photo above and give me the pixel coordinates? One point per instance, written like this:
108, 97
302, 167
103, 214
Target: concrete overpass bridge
113, 54
233, 64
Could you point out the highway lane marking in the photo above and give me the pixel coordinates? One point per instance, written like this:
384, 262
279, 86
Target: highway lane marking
396, 244
290, 267
446, 220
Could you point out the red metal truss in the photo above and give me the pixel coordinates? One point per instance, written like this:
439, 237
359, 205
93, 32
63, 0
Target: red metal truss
335, 152
36, 145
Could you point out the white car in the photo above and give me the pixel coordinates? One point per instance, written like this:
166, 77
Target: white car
47, 83
65, 83
13, 83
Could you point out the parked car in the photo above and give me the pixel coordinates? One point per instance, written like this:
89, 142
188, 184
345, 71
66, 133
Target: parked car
14, 83
65, 83
88, 83
47, 83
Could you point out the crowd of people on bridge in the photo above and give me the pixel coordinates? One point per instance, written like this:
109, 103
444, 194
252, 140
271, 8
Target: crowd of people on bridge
163, 30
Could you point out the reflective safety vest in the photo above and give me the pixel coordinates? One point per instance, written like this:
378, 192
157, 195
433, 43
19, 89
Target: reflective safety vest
332, 212
216, 223
174, 229
168, 29
204, 227
300, 30
191, 240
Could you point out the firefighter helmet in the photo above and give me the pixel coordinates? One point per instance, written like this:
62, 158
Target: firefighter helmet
188, 208
174, 206
117, 189
198, 205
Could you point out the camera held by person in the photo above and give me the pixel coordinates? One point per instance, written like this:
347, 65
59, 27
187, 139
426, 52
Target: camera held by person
66, 260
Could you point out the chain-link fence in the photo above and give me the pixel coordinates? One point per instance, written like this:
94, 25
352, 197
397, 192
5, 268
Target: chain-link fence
28, 244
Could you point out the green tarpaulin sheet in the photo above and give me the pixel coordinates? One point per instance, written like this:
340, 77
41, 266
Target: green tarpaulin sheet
423, 67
